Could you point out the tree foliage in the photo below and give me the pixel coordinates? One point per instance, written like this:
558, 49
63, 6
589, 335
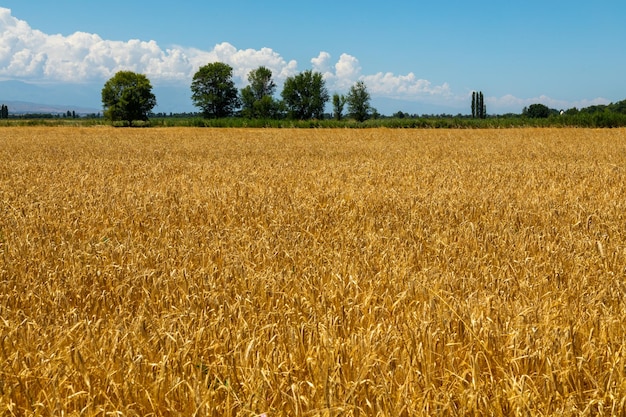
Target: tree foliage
339, 101
257, 98
536, 111
261, 82
305, 95
619, 107
479, 109
213, 90
358, 100
128, 96
4, 112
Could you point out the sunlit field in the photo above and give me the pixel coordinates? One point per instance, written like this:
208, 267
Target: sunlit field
318, 272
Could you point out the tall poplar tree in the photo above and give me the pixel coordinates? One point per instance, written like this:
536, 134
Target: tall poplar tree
481, 106
479, 110
473, 104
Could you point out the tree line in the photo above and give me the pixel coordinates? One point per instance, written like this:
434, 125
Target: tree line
128, 96
128, 100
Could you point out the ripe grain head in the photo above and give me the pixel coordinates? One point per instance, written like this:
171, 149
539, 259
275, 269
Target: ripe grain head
322, 272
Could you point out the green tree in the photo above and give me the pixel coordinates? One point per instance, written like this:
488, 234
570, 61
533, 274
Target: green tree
483, 106
619, 107
536, 111
261, 82
267, 108
305, 95
479, 109
128, 96
358, 100
473, 104
4, 112
257, 98
400, 114
339, 102
213, 90
596, 108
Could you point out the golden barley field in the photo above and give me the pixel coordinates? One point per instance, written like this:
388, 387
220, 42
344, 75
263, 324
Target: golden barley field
376, 272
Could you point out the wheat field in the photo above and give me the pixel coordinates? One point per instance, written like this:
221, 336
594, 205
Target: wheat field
244, 272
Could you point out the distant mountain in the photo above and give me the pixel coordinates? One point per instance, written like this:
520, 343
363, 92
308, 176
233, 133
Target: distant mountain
26, 107
23, 97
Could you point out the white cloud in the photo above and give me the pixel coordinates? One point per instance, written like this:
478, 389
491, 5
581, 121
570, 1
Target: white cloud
322, 64
402, 86
29, 54
348, 70
340, 76
245, 60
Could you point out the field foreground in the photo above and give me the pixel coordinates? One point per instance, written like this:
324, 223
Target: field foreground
312, 272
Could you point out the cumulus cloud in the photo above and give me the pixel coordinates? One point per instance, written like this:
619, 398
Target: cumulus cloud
29, 54
347, 70
398, 86
340, 76
322, 64
242, 60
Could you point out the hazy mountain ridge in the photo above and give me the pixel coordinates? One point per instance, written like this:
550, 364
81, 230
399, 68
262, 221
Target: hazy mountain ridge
23, 98
26, 107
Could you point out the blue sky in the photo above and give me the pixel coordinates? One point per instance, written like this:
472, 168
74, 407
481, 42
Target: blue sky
414, 55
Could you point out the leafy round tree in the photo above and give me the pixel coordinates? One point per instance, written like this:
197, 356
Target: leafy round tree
305, 95
128, 96
214, 91
536, 111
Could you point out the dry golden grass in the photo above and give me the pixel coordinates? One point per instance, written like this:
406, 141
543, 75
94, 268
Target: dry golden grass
312, 272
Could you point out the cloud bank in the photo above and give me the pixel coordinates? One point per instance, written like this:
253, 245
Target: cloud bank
30, 55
